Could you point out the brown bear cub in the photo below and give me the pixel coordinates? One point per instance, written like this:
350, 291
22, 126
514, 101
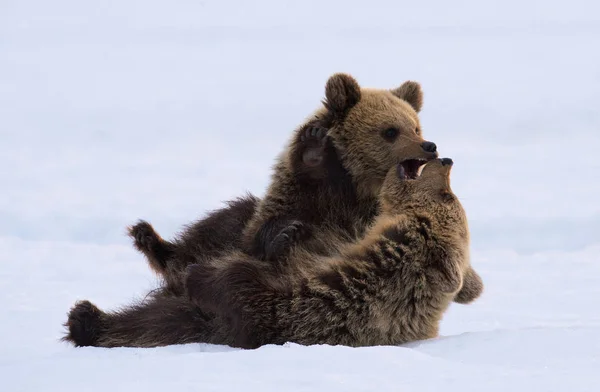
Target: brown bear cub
388, 288
328, 179
332, 172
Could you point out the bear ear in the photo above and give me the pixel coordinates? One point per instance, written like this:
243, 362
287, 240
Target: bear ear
410, 92
342, 92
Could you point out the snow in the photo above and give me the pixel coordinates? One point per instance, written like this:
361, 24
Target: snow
113, 111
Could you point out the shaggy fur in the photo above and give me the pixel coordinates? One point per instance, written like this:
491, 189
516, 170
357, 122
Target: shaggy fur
326, 181
205, 239
332, 171
391, 287
162, 321
328, 177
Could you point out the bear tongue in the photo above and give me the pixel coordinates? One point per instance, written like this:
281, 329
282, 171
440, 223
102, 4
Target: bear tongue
401, 172
409, 169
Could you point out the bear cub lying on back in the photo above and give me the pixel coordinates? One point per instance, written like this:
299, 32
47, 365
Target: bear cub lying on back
391, 287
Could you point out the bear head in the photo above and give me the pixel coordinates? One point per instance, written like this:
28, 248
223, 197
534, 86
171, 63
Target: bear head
434, 211
428, 194
375, 129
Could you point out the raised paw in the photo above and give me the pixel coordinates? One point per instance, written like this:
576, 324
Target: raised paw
313, 140
84, 324
144, 237
287, 237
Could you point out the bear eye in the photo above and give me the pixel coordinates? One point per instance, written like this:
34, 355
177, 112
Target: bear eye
390, 134
417, 131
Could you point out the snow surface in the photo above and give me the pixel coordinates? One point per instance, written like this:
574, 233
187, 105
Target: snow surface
117, 110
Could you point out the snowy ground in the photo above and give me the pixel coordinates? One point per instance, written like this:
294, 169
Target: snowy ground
118, 110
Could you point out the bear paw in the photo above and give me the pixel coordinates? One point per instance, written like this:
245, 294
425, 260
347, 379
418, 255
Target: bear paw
84, 324
144, 237
313, 140
287, 237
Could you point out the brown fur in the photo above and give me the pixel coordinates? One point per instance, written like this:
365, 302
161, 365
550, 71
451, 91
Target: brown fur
332, 171
327, 178
391, 287
213, 236
165, 320
324, 186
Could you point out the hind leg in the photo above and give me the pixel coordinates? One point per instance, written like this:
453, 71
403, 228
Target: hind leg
147, 241
208, 238
161, 255
160, 322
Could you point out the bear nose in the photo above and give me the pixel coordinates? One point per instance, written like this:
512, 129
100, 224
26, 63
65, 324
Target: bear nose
446, 161
429, 146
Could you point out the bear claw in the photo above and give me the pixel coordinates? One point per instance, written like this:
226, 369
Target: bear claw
317, 134
286, 238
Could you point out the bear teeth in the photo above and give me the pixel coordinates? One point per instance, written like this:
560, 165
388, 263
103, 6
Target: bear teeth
412, 168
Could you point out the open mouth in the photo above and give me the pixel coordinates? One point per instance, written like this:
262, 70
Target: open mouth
409, 169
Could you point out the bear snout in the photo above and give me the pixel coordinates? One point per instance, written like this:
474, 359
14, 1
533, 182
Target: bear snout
429, 147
